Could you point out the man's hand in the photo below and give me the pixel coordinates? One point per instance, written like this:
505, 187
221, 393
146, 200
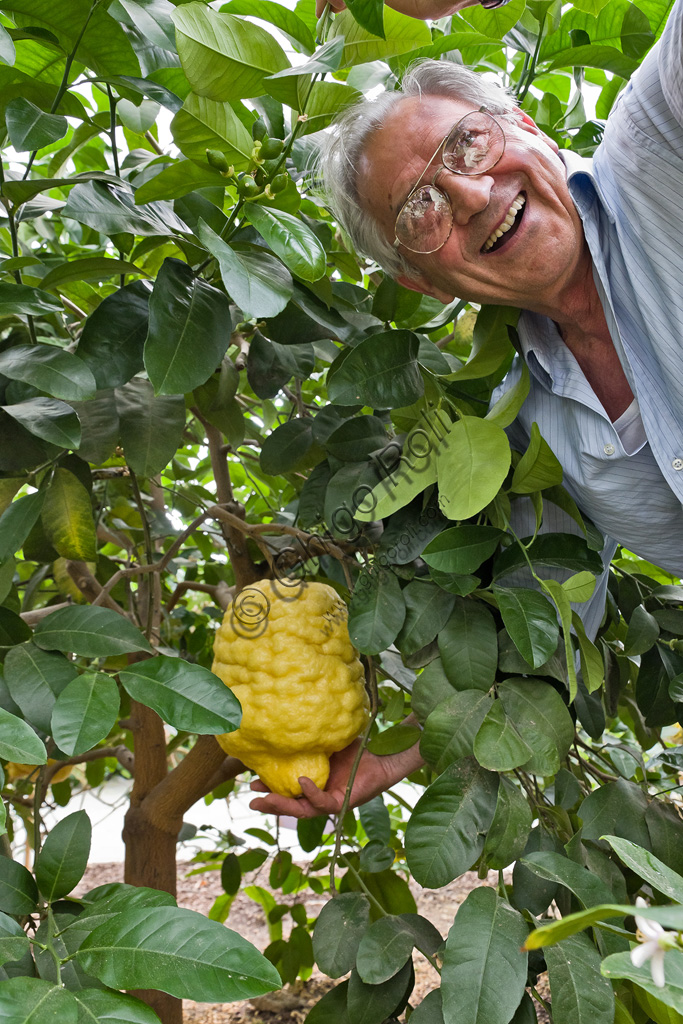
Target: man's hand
374, 775
423, 9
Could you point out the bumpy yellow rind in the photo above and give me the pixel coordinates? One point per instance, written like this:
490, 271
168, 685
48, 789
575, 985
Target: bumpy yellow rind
285, 652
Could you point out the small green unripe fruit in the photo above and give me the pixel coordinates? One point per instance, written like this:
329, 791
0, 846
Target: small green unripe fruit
247, 187
279, 183
271, 148
258, 130
217, 160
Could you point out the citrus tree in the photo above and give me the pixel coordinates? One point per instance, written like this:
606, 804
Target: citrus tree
203, 386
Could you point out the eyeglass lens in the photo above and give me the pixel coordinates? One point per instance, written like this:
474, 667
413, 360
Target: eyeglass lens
474, 146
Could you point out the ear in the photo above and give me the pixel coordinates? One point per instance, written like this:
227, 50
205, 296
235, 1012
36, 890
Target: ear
528, 124
422, 284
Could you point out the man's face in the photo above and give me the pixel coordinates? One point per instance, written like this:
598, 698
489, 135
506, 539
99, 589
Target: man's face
532, 264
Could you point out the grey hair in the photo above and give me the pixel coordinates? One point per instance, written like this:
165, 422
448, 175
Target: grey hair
342, 147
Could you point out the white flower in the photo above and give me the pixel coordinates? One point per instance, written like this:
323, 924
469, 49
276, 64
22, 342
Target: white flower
655, 941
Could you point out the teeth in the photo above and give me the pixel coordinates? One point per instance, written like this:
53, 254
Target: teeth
507, 223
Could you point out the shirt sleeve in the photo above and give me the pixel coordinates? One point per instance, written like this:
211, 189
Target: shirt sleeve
670, 61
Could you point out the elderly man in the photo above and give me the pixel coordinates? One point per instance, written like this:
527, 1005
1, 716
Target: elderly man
456, 192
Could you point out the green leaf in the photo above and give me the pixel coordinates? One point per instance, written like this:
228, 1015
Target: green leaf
18, 891
326, 58
642, 633
88, 632
538, 467
394, 739
20, 191
472, 465
561, 600
553, 550
592, 665
541, 715
498, 744
462, 549
111, 210
531, 621
401, 34
186, 696
189, 330
491, 346
14, 943
151, 426
619, 966
48, 418
50, 369
331, 1009
375, 819
595, 56
616, 808
376, 612
427, 611
32, 1000
8, 53
445, 833
291, 240
588, 888
371, 1004
176, 180
101, 1006
85, 712
505, 411
34, 679
580, 587
579, 994
287, 447
290, 24
91, 268
510, 828
30, 128
369, 15
68, 517
257, 282
484, 971
223, 56
186, 955
113, 336
547, 935
64, 856
636, 35
388, 944
204, 124
381, 372
451, 727
19, 743
13, 629
468, 645
650, 868
17, 521
341, 924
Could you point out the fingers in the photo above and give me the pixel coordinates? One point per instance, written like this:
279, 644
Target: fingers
313, 802
336, 5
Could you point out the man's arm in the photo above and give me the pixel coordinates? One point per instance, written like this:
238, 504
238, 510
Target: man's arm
375, 774
423, 9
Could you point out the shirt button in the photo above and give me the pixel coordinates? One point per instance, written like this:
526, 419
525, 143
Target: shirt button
609, 450
677, 463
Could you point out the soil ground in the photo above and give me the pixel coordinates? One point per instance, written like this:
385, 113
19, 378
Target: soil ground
291, 1005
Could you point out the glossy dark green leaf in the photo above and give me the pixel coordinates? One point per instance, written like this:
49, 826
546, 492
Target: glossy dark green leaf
17, 521
13, 941
13, 629
102, 1006
286, 448
531, 622
616, 808
499, 745
452, 726
388, 944
580, 995
19, 299
394, 739
636, 34
90, 268
64, 856
588, 888
18, 890
187, 955
30, 128
186, 696
555, 550
25, 1000
609, 58
538, 467
151, 426
34, 678
338, 931
428, 609
354, 440
462, 549
377, 611
484, 970
113, 336
643, 630
112, 211
650, 868
510, 828
291, 240
85, 712
375, 856
189, 330
381, 372
259, 284
331, 1009
542, 717
445, 834
203, 124
372, 1004
429, 1011
48, 418
375, 819
89, 632
18, 741
49, 368
468, 645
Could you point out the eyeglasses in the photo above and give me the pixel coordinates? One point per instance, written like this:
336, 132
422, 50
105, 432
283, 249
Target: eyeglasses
473, 146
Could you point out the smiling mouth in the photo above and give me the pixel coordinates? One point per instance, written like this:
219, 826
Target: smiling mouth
502, 234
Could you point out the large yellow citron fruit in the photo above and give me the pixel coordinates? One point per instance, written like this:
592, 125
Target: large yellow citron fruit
285, 652
13, 770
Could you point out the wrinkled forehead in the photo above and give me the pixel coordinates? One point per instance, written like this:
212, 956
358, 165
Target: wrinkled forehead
398, 151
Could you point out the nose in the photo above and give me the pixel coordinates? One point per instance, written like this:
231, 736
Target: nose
469, 193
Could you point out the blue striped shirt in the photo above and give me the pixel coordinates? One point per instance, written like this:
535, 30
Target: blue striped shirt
630, 200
